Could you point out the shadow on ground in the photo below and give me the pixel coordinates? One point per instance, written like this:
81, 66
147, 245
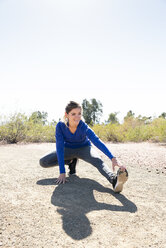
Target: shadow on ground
75, 199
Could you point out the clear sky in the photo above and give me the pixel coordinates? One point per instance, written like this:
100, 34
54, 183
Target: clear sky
59, 50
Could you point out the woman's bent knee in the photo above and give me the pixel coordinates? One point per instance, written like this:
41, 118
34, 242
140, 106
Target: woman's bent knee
42, 163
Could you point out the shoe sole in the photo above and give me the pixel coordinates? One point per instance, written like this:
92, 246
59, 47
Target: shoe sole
73, 174
122, 177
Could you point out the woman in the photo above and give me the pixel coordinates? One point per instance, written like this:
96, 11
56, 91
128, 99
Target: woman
73, 141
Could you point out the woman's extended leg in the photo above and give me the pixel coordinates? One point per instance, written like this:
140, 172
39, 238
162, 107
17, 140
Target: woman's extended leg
91, 156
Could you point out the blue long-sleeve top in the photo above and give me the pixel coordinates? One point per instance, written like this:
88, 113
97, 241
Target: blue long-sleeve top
83, 136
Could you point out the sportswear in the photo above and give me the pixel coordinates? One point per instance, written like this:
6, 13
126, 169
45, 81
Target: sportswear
83, 136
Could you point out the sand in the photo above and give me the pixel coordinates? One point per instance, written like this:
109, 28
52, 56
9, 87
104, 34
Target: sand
84, 212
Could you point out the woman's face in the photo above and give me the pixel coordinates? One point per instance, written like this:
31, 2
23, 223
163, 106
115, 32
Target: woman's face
74, 116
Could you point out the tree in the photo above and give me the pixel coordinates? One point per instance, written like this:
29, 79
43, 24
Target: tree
86, 106
130, 115
53, 122
144, 119
163, 115
113, 118
92, 111
39, 117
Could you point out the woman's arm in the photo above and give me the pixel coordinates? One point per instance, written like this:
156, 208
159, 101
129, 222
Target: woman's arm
60, 154
102, 147
98, 143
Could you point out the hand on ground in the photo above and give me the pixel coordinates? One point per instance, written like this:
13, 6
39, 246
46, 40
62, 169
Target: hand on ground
61, 178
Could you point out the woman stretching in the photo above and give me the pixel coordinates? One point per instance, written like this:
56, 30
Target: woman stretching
73, 142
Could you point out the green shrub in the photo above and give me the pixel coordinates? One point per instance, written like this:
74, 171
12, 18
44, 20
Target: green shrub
14, 130
40, 133
20, 128
159, 130
133, 130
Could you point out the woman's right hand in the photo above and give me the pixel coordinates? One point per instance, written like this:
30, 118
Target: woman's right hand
115, 163
61, 178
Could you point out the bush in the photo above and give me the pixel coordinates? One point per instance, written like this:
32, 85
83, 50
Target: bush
133, 130
159, 130
20, 128
40, 133
14, 130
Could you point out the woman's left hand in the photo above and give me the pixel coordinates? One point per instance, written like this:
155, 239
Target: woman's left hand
115, 163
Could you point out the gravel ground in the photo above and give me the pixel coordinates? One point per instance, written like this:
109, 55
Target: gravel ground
84, 212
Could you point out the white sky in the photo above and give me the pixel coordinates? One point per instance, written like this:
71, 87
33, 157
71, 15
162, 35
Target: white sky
55, 51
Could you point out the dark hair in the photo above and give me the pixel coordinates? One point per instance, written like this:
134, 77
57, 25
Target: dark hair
72, 105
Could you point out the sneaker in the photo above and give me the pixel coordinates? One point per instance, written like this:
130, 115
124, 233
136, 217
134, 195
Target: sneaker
72, 166
119, 180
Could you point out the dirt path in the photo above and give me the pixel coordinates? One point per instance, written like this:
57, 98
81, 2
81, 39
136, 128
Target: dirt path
85, 212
